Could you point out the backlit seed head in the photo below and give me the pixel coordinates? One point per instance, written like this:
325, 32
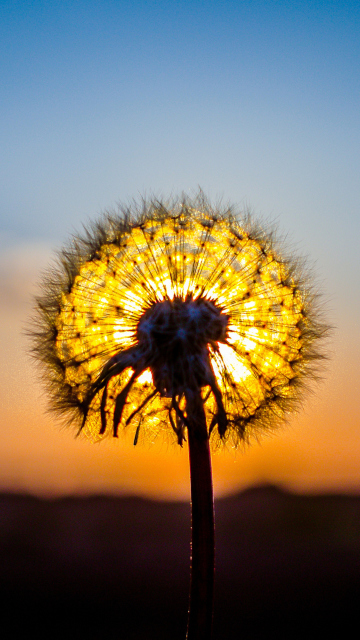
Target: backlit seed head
163, 298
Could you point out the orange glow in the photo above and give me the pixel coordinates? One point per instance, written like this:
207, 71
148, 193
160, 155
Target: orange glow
318, 451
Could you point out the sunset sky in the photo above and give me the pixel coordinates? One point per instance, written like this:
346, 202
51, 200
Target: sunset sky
257, 102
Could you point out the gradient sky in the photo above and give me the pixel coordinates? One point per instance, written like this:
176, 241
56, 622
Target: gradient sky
255, 101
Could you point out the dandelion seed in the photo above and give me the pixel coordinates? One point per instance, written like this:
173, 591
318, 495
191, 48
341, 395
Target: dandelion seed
180, 297
179, 318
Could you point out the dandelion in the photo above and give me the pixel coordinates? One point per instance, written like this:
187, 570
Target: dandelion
178, 318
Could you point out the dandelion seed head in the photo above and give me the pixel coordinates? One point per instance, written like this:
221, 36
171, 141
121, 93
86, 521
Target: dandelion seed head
156, 300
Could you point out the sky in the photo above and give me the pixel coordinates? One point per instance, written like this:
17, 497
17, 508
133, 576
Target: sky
256, 102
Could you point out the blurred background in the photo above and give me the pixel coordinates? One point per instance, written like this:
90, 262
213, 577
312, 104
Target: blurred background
257, 102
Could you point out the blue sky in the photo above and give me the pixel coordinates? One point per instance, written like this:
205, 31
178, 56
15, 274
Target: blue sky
102, 100
257, 102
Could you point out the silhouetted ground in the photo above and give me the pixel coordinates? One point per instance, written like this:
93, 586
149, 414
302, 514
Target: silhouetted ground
112, 568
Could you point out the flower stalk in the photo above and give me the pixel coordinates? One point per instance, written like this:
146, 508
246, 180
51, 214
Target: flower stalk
203, 524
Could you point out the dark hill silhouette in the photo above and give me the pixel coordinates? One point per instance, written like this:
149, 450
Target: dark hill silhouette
101, 567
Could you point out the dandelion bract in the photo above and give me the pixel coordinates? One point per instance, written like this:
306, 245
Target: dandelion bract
157, 299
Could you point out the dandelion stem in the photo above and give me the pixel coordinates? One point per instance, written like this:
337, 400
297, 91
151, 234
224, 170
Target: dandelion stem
203, 532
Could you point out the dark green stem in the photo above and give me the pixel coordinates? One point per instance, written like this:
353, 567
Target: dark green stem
203, 531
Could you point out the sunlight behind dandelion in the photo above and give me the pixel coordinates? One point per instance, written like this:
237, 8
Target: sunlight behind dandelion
207, 268
237, 368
